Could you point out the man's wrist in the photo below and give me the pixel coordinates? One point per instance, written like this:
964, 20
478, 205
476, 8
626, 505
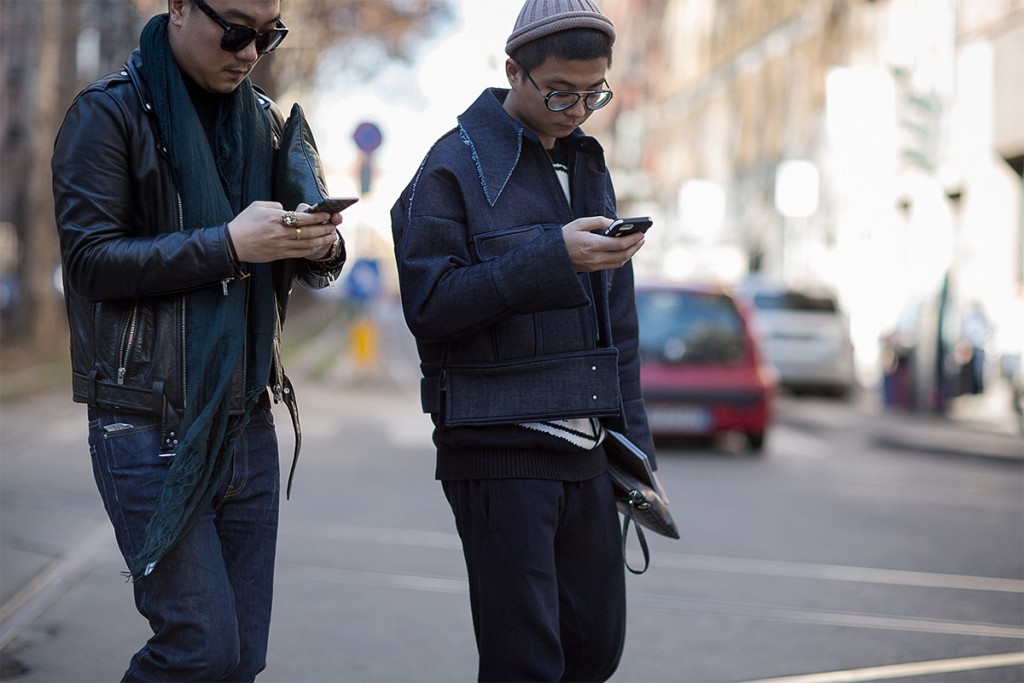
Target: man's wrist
333, 252
232, 253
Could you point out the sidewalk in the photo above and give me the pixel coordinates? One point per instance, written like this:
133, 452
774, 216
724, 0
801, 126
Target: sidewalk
979, 426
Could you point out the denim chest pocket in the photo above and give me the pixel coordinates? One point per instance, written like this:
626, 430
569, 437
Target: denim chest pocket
541, 332
490, 245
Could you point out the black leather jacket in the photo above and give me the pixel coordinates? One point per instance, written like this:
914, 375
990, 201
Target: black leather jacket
127, 262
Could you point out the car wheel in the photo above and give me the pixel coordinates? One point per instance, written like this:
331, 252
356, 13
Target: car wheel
756, 441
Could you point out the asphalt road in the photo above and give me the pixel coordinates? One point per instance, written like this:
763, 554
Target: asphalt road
855, 548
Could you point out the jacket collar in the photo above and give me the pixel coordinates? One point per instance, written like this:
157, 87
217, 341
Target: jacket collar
133, 68
495, 140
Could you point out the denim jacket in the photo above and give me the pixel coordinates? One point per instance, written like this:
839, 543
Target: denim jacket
507, 330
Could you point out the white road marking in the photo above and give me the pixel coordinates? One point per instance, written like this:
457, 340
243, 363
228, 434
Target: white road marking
877, 673
828, 572
420, 582
362, 533
878, 622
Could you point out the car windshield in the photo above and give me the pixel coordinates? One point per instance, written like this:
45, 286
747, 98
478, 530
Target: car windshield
689, 327
794, 301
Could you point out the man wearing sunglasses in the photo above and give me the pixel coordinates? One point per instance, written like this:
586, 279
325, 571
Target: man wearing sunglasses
177, 266
526, 327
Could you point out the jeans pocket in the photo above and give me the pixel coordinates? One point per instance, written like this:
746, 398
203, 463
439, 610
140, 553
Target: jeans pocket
129, 471
254, 456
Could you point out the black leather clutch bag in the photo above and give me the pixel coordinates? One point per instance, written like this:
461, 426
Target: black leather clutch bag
298, 171
638, 493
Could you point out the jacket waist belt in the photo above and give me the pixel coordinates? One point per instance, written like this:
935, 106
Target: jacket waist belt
581, 384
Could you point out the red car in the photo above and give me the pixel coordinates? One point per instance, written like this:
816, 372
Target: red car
702, 371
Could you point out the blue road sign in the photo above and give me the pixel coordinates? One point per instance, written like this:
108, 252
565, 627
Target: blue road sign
367, 137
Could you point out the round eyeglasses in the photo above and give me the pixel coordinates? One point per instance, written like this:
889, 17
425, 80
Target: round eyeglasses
560, 100
237, 37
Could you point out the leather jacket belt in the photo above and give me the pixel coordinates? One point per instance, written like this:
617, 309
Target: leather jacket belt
112, 396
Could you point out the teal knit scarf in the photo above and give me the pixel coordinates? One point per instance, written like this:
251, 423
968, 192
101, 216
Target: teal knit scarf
217, 322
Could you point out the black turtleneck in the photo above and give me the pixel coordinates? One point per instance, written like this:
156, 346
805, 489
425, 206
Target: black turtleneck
207, 106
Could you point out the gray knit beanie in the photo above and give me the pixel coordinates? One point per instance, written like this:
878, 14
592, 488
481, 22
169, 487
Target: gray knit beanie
540, 18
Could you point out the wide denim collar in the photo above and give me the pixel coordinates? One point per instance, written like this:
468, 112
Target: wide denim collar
495, 140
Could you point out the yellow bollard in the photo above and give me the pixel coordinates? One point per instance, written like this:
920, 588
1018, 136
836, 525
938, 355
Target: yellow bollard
364, 340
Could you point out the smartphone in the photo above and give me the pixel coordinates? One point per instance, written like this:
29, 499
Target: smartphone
627, 226
332, 205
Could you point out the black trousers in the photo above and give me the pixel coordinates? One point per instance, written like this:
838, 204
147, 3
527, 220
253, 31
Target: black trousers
546, 579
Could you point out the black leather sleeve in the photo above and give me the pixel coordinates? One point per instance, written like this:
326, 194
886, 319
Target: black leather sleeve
118, 212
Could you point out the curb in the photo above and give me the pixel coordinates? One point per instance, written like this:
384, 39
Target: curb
943, 436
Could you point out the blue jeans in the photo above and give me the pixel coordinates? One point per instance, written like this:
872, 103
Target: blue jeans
546, 580
208, 601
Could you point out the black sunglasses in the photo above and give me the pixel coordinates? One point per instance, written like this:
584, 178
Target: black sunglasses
237, 37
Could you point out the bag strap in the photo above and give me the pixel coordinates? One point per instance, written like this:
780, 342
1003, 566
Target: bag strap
290, 400
634, 498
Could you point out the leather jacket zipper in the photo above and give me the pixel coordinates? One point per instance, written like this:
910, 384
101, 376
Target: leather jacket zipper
184, 373
184, 355
127, 339
245, 343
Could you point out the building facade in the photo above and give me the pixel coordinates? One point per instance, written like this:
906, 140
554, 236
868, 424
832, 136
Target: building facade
871, 146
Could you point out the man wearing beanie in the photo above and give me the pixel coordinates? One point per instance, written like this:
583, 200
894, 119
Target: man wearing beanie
526, 328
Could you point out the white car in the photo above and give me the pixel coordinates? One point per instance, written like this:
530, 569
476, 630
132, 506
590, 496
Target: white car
805, 335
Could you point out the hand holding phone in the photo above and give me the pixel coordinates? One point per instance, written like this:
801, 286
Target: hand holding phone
332, 205
627, 226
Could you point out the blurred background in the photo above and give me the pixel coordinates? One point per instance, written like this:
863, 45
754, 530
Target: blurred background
834, 285
869, 151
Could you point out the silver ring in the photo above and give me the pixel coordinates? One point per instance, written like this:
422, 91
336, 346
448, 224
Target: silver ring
288, 219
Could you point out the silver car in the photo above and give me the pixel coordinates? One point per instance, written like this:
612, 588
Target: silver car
805, 335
